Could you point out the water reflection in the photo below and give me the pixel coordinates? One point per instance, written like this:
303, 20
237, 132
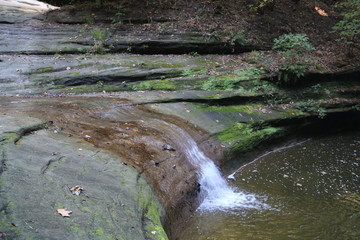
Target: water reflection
313, 190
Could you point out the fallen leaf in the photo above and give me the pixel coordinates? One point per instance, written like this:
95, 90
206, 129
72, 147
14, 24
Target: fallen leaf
76, 190
63, 212
321, 12
153, 232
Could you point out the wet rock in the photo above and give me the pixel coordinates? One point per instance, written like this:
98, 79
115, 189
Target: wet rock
14, 11
49, 74
33, 188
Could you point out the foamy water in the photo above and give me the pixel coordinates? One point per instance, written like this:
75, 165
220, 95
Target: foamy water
218, 195
215, 191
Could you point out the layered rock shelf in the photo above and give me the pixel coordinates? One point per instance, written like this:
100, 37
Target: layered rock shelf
83, 103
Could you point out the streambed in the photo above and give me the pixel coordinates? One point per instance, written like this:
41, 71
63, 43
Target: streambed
309, 191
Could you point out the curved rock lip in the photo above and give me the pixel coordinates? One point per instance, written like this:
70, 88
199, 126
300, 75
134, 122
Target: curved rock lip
40, 164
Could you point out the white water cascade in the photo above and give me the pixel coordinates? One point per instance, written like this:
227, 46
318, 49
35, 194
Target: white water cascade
218, 195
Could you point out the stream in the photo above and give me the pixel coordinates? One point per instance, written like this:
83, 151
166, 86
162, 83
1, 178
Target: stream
307, 191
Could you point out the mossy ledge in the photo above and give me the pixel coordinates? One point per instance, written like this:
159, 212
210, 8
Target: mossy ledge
244, 140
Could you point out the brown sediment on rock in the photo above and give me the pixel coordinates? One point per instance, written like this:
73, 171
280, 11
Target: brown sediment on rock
136, 134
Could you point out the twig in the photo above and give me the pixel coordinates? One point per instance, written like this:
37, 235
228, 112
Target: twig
232, 176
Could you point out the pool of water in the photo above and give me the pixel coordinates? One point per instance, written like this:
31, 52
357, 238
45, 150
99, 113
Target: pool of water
309, 191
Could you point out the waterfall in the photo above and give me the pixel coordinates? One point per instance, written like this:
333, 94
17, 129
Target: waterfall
216, 192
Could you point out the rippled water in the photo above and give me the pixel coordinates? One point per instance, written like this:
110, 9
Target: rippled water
310, 191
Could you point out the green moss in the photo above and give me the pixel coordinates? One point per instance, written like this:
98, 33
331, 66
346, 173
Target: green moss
10, 204
74, 228
100, 232
85, 209
193, 72
243, 137
155, 85
152, 225
248, 109
164, 85
43, 70
7, 220
205, 62
12, 136
59, 206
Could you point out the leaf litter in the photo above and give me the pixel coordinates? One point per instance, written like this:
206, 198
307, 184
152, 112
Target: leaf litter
76, 190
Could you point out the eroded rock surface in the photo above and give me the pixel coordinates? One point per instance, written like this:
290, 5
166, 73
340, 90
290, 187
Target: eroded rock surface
39, 166
109, 147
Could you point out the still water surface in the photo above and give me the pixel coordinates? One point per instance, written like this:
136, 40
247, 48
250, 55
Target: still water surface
309, 191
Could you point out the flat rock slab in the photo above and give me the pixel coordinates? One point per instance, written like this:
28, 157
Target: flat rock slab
14, 11
37, 172
33, 74
39, 38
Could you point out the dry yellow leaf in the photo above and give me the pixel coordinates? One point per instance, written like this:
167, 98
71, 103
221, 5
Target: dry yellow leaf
321, 12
